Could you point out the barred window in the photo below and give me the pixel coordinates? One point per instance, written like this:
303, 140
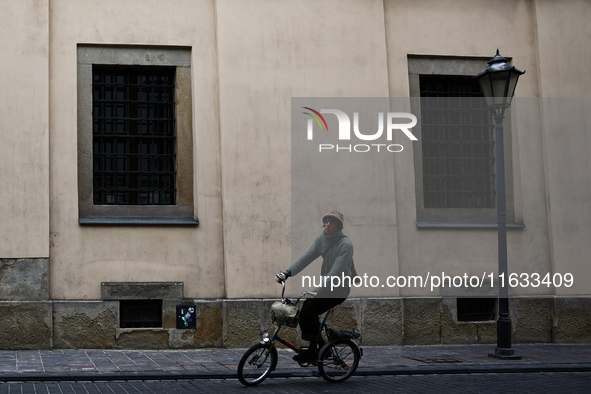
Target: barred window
134, 136
457, 144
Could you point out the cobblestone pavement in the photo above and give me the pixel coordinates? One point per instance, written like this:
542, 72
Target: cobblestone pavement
420, 369
572, 383
226, 360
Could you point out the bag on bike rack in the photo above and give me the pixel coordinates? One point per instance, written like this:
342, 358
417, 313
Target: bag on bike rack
285, 314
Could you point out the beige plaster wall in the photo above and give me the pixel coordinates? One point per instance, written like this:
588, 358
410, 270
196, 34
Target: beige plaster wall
249, 58
269, 52
473, 28
563, 34
24, 129
83, 257
564, 41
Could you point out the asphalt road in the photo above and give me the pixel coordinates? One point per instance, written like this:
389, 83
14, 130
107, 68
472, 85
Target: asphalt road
556, 382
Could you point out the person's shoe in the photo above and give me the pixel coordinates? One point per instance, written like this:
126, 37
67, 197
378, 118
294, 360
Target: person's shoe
306, 356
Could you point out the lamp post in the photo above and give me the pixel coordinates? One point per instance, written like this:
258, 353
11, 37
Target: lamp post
498, 81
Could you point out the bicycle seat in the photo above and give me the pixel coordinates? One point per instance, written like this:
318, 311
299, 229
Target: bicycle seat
343, 334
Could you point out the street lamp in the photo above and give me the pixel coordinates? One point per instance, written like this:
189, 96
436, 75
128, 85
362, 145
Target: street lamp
498, 81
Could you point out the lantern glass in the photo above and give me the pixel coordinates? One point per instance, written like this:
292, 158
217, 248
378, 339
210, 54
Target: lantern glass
513, 77
495, 87
487, 89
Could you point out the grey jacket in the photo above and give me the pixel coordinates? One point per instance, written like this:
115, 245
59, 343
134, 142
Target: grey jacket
337, 254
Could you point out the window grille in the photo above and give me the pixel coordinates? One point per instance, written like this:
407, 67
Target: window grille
140, 313
476, 309
134, 137
457, 144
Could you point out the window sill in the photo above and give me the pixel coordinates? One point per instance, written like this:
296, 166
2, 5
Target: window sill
140, 221
466, 225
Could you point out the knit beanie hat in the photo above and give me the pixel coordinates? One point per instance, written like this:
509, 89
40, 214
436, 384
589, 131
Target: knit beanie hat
335, 214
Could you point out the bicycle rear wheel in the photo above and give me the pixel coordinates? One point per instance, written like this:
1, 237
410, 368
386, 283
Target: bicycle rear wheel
338, 360
256, 364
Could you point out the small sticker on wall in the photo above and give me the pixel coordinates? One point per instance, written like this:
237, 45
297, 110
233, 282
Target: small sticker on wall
185, 317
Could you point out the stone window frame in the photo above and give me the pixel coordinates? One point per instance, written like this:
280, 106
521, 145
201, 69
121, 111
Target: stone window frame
183, 212
455, 217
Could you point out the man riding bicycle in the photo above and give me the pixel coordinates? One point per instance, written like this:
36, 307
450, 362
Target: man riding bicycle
336, 250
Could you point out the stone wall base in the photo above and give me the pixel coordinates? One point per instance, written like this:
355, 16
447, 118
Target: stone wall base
240, 323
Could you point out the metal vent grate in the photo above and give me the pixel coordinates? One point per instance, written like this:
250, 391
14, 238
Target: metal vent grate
443, 359
134, 138
140, 313
457, 144
476, 309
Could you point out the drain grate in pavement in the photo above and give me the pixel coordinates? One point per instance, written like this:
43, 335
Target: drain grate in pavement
437, 359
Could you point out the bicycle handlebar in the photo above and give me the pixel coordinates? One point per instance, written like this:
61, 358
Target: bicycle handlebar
282, 291
287, 300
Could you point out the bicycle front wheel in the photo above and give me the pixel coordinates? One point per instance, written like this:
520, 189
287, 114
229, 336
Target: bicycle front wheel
256, 364
338, 360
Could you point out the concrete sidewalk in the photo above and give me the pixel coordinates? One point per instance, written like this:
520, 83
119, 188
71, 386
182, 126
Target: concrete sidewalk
95, 365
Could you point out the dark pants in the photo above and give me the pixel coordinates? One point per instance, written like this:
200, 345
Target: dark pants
311, 310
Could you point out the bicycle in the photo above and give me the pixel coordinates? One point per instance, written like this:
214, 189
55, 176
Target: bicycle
337, 360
